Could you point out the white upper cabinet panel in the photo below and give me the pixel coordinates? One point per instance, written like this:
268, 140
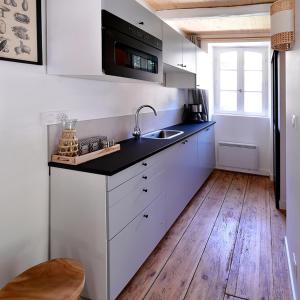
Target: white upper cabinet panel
74, 37
172, 47
178, 51
136, 14
74, 33
189, 56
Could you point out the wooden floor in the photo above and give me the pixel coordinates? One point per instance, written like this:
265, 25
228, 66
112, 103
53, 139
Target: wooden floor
227, 244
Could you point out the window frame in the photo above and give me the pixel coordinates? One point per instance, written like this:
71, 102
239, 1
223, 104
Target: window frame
217, 51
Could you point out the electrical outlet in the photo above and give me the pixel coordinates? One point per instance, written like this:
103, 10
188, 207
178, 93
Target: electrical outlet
295, 265
54, 117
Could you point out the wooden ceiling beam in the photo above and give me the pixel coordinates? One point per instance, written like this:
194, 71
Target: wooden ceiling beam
233, 33
257, 9
185, 4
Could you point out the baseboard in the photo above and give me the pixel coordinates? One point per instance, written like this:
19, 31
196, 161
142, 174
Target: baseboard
254, 172
290, 269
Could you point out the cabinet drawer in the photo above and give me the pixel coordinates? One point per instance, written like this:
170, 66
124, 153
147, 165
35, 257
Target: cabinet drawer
129, 199
130, 248
123, 176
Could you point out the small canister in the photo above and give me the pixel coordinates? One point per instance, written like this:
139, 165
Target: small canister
94, 144
84, 146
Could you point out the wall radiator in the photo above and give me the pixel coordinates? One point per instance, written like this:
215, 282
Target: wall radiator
241, 156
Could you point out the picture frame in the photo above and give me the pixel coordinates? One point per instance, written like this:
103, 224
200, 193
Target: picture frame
21, 31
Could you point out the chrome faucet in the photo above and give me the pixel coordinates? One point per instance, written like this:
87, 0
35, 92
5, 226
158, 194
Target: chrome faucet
137, 131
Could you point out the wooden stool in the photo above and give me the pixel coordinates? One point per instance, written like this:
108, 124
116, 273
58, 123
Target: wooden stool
58, 279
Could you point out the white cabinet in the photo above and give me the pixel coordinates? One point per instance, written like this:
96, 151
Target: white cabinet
135, 14
172, 47
179, 58
74, 34
112, 223
74, 37
129, 199
206, 153
191, 168
129, 249
189, 58
178, 51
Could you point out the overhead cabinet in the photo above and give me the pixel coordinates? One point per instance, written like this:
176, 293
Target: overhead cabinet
75, 39
135, 14
189, 57
113, 223
79, 44
172, 47
178, 51
179, 58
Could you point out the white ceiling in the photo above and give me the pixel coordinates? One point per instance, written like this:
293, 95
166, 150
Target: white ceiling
206, 18
220, 24
177, 4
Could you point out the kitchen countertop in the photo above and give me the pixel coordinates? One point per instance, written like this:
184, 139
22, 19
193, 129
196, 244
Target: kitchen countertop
133, 151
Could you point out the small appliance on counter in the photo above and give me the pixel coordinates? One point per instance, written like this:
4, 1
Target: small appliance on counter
72, 151
197, 109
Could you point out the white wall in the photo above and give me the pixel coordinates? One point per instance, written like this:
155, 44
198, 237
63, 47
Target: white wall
293, 150
25, 92
247, 130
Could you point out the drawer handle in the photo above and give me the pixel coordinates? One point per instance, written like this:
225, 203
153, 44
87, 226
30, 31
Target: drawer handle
146, 216
145, 177
145, 190
145, 164
141, 23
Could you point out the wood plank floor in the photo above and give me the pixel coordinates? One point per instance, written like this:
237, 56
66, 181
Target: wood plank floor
227, 244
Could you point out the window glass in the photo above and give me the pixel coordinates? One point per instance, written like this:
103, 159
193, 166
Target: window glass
253, 81
241, 78
253, 60
228, 80
228, 101
228, 60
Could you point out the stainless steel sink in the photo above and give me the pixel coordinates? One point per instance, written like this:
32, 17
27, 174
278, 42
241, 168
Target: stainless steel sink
162, 134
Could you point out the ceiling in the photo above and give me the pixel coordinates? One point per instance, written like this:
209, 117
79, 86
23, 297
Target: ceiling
180, 4
203, 27
216, 18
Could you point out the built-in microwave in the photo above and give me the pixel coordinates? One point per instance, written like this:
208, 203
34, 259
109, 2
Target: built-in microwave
128, 51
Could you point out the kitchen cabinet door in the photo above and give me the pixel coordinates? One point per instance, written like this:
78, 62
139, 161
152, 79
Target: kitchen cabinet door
182, 179
137, 15
206, 153
174, 181
189, 56
130, 248
172, 47
190, 182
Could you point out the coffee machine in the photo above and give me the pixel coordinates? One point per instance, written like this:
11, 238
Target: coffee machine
195, 113
197, 110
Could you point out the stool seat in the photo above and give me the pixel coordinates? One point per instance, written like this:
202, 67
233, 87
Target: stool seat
58, 279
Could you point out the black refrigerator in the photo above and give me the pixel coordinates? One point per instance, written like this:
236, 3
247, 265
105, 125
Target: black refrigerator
276, 124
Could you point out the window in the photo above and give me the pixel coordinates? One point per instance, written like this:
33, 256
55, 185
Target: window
241, 80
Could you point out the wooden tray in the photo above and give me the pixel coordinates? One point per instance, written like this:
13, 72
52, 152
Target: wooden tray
77, 160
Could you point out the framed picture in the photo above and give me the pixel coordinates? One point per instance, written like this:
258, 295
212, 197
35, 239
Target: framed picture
21, 31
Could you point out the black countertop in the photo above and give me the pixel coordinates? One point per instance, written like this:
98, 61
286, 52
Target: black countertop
133, 151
